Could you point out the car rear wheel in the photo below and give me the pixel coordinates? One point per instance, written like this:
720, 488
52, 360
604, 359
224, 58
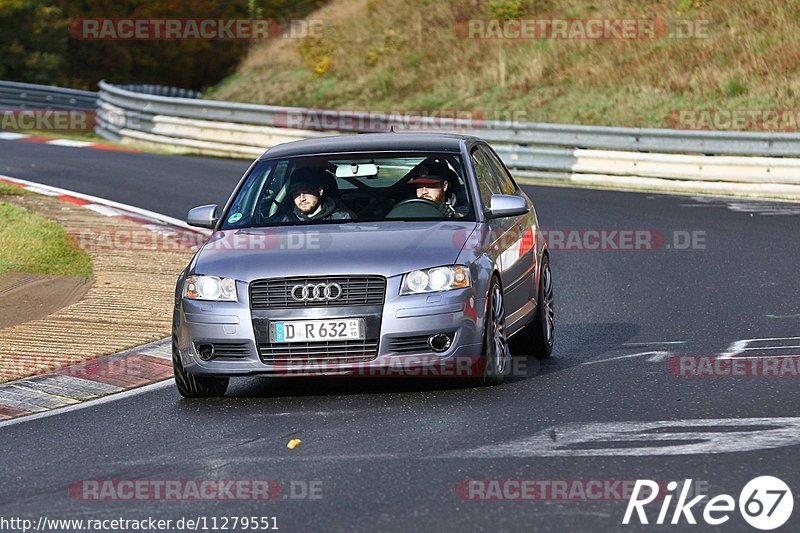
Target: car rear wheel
191, 386
544, 325
538, 336
495, 357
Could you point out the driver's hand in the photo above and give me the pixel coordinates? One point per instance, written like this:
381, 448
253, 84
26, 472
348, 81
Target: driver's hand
445, 210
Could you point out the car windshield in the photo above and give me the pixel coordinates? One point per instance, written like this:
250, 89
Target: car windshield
344, 188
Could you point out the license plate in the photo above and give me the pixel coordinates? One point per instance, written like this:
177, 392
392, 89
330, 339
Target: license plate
317, 330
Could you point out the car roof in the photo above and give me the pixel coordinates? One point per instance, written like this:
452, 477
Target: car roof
370, 142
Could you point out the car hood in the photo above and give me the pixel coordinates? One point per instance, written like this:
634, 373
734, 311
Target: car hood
387, 249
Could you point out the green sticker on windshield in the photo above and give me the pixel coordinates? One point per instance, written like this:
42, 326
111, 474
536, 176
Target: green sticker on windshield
234, 218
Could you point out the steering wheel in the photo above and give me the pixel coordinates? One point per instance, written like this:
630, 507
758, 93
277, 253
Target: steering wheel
416, 208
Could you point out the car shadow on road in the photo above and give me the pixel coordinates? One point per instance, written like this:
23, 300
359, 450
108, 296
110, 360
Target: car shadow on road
580, 343
575, 344
266, 387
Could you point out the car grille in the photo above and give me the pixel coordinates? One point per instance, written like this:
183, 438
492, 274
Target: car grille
417, 344
349, 351
277, 293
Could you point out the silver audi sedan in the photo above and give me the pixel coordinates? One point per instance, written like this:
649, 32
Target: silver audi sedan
365, 255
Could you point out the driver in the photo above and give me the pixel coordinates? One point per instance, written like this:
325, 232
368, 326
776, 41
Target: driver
433, 187
310, 201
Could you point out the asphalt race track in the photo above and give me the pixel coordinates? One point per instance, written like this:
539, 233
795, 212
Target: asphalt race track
399, 454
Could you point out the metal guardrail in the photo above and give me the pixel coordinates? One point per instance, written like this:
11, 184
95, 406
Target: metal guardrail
733, 162
537, 151
160, 90
15, 95
500, 132
738, 169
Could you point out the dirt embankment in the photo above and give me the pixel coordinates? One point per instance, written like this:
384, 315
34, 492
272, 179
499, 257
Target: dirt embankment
29, 297
57, 322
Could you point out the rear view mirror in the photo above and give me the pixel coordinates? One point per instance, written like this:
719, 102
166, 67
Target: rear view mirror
204, 216
357, 170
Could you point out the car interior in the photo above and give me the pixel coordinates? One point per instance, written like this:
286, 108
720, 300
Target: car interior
369, 188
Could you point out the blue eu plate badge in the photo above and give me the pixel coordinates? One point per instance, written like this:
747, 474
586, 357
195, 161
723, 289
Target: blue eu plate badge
280, 334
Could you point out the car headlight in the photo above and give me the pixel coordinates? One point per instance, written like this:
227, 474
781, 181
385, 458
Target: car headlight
435, 280
210, 288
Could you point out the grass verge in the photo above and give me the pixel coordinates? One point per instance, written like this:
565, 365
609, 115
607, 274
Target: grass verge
6, 189
396, 55
32, 244
88, 136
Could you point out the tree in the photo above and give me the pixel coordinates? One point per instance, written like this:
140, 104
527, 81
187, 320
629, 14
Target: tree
33, 38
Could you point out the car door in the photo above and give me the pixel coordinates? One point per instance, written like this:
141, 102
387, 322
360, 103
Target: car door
518, 256
487, 186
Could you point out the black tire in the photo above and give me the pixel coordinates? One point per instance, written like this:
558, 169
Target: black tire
191, 386
544, 326
537, 337
492, 366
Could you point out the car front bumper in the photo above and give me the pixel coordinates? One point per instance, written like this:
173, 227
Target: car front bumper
398, 328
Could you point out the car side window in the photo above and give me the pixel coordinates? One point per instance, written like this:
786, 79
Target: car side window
267, 202
247, 198
487, 182
507, 185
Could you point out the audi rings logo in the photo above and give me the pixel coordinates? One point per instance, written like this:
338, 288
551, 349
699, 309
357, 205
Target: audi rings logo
320, 292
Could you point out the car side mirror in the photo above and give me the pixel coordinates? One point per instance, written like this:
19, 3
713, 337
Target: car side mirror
204, 216
507, 205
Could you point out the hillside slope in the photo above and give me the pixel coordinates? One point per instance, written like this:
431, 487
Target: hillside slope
417, 55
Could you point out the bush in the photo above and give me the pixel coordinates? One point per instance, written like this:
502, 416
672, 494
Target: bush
38, 48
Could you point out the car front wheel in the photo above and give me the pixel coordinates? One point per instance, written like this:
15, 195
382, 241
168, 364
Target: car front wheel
495, 359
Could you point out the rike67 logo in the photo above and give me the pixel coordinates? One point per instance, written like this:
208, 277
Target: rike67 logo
765, 503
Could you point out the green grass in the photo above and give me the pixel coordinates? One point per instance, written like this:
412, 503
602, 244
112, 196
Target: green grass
32, 244
409, 55
6, 189
88, 136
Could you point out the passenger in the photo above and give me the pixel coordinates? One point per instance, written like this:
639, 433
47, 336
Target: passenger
310, 201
